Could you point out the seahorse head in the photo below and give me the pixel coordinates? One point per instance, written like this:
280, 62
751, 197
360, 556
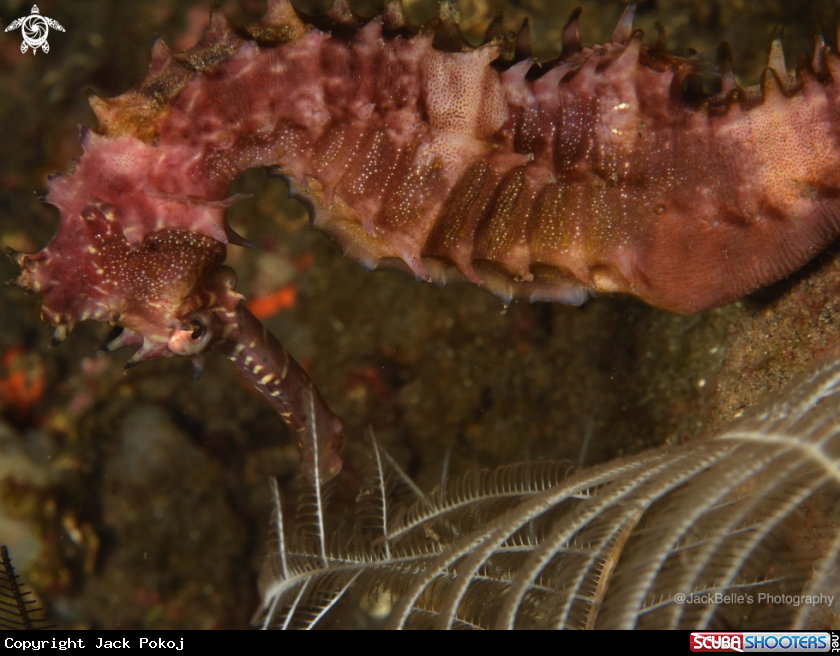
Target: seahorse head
141, 244
169, 292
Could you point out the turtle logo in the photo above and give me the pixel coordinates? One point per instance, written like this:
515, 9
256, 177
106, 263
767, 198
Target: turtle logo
35, 29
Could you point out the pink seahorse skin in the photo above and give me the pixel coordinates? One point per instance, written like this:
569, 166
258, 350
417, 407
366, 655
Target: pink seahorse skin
609, 170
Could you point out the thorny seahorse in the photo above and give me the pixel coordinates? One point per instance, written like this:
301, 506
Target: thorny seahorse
610, 169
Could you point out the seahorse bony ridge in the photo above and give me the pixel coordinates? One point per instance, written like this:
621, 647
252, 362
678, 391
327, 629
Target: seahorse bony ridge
607, 170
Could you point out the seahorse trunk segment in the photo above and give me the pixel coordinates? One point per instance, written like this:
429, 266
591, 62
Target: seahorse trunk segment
284, 384
610, 169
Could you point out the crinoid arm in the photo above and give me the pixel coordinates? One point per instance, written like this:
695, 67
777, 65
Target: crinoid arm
17, 609
699, 536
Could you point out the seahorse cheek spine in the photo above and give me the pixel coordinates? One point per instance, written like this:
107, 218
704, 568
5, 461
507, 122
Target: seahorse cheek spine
414, 151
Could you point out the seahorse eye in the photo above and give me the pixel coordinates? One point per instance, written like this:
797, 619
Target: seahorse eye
198, 330
196, 335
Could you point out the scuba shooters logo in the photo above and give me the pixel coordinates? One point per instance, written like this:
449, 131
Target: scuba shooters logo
35, 29
788, 641
717, 642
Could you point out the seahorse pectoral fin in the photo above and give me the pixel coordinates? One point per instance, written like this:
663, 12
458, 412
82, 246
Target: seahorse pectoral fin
286, 386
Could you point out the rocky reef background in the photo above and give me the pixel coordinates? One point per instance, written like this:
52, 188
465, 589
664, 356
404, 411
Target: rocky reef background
141, 500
